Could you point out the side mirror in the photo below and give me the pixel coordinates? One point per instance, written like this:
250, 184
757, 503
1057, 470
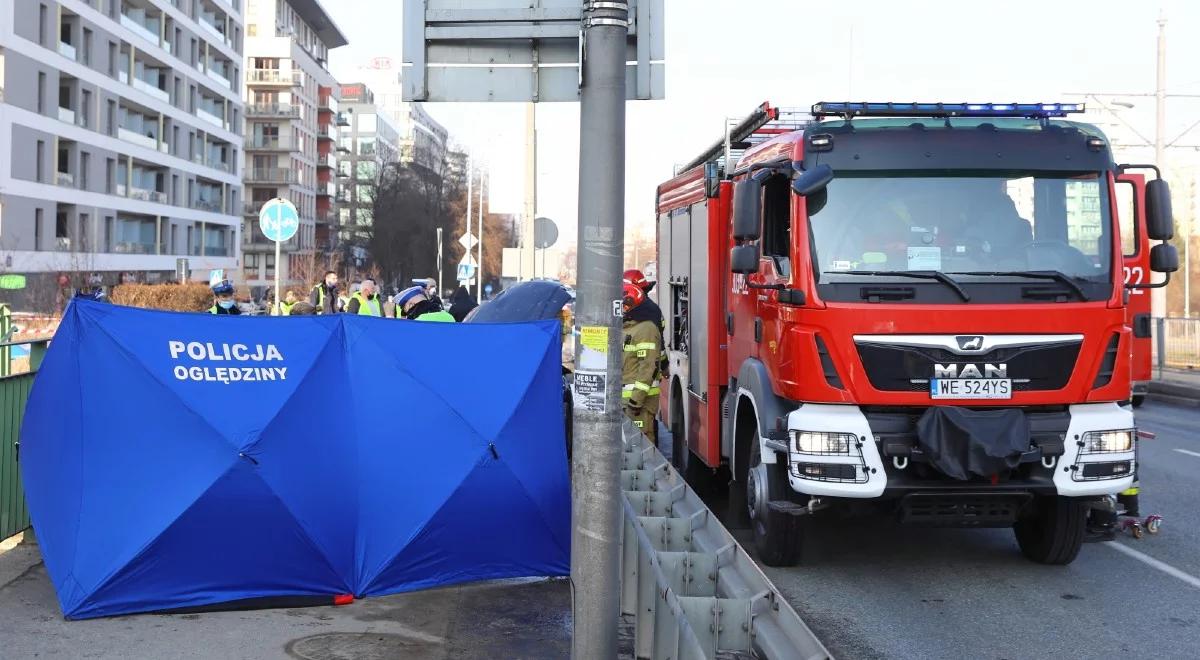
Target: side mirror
747, 209
712, 180
1164, 258
1160, 225
811, 181
743, 259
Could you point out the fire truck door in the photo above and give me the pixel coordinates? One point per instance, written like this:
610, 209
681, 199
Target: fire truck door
1135, 250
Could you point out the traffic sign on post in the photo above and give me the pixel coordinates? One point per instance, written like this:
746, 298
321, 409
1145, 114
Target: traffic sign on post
467, 241
279, 221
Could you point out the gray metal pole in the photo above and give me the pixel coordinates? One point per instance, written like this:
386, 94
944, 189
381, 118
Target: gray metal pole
1158, 297
596, 504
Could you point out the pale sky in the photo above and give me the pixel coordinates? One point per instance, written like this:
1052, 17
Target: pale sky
724, 57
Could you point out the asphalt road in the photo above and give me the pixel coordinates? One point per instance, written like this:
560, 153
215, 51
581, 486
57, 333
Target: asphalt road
874, 589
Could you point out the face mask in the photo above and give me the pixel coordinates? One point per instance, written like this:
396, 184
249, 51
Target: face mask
225, 304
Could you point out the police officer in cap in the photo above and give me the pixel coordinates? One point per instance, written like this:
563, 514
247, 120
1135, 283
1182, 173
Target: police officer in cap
224, 303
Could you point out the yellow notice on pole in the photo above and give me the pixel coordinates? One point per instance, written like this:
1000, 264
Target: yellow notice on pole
594, 337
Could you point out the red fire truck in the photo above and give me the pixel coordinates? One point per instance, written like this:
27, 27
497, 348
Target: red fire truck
915, 307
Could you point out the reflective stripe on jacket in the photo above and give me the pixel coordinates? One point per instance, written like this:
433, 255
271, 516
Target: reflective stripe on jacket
639, 368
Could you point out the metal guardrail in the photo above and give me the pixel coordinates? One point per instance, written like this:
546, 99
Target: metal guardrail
693, 590
14, 393
1177, 341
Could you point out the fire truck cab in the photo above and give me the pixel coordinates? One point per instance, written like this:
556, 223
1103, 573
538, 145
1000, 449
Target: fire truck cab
919, 307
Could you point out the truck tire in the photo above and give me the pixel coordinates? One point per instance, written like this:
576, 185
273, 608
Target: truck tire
1138, 400
777, 536
688, 465
1053, 532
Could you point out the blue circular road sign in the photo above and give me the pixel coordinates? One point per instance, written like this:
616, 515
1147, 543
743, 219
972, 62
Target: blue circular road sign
279, 219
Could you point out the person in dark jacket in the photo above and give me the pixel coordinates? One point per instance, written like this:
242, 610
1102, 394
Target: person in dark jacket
461, 304
324, 296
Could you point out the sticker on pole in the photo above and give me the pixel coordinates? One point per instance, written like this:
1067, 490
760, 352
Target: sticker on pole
591, 373
279, 220
591, 390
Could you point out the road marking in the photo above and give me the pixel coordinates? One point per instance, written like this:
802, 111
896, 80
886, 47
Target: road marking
1189, 452
1154, 563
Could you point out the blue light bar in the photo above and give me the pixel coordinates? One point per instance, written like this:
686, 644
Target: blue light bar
1029, 110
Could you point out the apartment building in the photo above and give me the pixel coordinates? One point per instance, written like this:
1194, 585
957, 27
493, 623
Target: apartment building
423, 141
371, 142
120, 125
292, 125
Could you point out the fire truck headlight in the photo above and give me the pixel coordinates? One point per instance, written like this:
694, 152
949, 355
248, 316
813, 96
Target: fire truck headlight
1107, 442
815, 442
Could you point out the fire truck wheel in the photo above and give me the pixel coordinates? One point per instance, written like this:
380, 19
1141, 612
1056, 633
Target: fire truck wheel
777, 535
1138, 399
1054, 530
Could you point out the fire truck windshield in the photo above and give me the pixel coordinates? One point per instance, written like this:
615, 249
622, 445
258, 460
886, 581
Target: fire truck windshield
978, 225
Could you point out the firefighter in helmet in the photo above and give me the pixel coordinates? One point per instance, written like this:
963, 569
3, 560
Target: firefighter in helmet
635, 277
639, 371
224, 303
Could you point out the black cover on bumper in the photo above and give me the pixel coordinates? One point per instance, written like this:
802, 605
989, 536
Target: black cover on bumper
962, 443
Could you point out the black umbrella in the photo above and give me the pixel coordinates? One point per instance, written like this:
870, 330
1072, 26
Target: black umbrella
527, 301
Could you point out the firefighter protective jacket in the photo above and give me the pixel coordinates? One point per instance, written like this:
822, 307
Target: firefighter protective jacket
639, 372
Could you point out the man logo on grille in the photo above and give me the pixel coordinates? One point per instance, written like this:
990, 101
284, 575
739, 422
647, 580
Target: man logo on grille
970, 342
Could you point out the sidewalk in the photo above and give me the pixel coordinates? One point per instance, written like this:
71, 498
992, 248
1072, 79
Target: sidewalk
529, 618
1178, 386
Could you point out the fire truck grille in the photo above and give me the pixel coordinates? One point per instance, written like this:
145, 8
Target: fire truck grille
908, 368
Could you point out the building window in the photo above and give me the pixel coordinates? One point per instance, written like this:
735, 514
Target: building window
112, 59
37, 229
62, 240
85, 108
41, 93
84, 220
42, 25
85, 163
135, 236
41, 159
87, 47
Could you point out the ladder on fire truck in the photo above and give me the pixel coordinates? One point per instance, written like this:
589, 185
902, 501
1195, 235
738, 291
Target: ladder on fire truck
764, 123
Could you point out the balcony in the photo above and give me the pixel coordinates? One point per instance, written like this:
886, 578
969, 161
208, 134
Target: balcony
66, 114
148, 141
66, 50
151, 89
274, 77
327, 103
148, 195
65, 179
210, 117
273, 110
141, 29
252, 208
342, 119
325, 189
326, 132
266, 143
219, 77
326, 161
271, 175
342, 197
211, 205
134, 248
209, 24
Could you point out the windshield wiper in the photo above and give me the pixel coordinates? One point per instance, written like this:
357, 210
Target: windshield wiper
1056, 275
917, 274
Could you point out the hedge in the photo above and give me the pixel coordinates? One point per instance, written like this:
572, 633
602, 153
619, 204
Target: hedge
175, 297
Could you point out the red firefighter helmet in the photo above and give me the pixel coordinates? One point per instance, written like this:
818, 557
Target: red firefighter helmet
637, 278
632, 296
